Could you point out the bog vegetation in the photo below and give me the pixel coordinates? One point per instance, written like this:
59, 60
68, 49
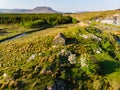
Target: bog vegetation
34, 20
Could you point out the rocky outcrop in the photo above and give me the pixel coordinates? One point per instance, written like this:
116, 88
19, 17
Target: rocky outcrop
114, 20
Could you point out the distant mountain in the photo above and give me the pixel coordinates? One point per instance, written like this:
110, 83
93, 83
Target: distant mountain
34, 10
13, 10
42, 10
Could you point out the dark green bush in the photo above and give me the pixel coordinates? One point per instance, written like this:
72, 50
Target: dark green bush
64, 20
35, 24
22, 18
74, 21
35, 20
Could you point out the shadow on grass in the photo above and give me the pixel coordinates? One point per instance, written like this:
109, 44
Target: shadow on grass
108, 67
71, 40
3, 31
60, 27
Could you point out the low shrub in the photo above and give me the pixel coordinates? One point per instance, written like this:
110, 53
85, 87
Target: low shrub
35, 24
74, 21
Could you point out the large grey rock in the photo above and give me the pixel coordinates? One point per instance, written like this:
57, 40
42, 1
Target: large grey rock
59, 39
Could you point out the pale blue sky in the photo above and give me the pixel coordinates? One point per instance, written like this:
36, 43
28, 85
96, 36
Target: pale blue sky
63, 5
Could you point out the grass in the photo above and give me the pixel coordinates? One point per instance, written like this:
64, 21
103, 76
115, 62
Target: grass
7, 31
48, 68
114, 79
24, 47
41, 42
110, 69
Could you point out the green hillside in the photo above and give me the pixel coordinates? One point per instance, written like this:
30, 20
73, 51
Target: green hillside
94, 15
89, 60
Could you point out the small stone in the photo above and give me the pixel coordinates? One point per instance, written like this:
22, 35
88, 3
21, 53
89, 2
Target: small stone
54, 46
98, 52
40, 54
32, 57
5, 75
83, 61
65, 53
84, 36
72, 59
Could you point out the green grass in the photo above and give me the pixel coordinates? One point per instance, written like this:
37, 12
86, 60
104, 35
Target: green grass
7, 31
110, 69
41, 42
14, 56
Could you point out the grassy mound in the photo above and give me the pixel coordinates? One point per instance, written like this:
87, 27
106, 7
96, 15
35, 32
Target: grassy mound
34, 62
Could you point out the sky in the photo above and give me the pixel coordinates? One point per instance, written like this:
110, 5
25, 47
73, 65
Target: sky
62, 5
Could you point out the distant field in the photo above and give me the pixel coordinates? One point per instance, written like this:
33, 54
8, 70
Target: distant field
93, 15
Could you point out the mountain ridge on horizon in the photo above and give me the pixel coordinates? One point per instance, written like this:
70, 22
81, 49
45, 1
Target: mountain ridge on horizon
42, 9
